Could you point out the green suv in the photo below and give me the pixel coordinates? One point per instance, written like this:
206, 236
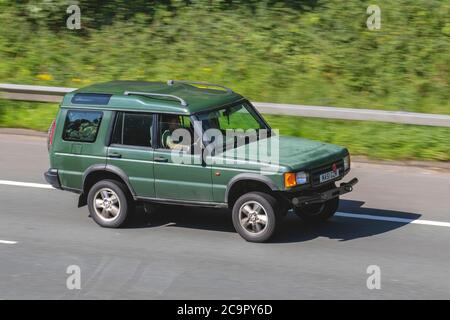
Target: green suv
123, 143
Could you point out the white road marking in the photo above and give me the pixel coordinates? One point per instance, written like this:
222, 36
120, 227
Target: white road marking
25, 184
393, 219
338, 214
8, 242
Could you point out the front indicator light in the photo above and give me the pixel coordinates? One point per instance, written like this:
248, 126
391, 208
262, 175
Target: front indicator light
290, 180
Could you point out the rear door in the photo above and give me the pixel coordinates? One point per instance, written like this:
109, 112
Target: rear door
189, 181
131, 150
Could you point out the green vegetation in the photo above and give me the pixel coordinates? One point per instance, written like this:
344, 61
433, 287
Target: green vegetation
27, 115
293, 51
373, 139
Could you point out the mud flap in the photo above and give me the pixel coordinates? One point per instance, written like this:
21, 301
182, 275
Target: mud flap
82, 200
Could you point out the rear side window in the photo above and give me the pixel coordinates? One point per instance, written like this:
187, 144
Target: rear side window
133, 129
82, 126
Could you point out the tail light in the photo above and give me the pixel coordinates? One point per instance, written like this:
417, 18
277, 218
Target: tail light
51, 133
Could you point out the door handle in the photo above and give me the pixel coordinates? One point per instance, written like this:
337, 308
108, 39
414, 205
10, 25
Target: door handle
114, 155
161, 159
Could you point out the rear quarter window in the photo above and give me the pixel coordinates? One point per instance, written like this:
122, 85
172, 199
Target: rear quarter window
82, 126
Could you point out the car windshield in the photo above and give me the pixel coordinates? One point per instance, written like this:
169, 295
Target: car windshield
240, 120
237, 117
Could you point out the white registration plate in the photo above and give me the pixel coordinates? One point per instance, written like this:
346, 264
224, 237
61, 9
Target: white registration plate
328, 176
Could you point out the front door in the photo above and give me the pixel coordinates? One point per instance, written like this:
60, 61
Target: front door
131, 150
190, 180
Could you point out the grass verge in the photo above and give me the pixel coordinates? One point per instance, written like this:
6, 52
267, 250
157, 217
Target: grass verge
376, 140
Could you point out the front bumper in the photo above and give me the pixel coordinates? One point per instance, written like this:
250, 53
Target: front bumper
344, 187
51, 176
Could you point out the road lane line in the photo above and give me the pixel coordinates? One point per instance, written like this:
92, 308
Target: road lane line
338, 214
393, 219
8, 242
25, 184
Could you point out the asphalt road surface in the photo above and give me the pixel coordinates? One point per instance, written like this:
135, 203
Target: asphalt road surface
397, 219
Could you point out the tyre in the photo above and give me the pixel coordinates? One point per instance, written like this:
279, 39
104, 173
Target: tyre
254, 216
318, 212
109, 203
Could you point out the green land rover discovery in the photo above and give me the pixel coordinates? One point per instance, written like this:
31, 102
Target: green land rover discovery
121, 143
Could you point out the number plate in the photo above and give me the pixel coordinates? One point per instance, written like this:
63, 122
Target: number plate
328, 176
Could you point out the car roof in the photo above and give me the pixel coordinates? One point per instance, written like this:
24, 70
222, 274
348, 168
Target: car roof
130, 96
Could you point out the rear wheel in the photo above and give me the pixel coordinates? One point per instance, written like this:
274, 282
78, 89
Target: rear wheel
109, 203
318, 212
254, 216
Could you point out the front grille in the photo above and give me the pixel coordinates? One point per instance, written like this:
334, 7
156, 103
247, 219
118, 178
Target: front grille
315, 173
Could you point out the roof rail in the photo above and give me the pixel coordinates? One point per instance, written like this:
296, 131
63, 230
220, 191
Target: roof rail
150, 94
172, 82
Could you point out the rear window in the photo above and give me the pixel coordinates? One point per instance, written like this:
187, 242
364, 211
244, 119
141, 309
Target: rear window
82, 126
91, 98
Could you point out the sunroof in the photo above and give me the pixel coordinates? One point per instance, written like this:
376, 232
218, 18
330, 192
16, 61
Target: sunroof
91, 98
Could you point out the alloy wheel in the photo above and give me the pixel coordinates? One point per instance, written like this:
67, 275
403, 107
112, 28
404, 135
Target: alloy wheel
253, 217
106, 204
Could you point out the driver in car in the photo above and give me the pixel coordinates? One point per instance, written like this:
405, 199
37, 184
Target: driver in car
173, 123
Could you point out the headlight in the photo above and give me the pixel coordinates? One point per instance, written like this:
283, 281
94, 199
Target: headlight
292, 179
346, 162
301, 177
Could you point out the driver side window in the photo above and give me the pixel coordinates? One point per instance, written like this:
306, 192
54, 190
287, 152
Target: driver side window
175, 132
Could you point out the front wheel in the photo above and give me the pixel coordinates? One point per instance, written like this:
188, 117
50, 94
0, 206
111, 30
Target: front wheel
318, 212
254, 216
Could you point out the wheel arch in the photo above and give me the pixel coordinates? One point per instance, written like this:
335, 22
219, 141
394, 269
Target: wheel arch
247, 182
99, 172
